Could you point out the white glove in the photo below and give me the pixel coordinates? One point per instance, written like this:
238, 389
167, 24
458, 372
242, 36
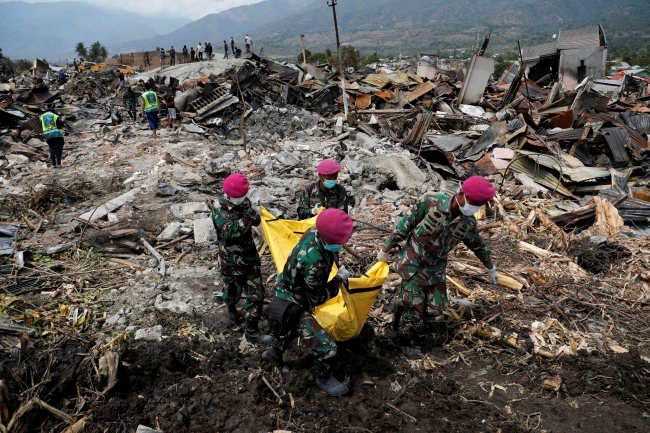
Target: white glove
314, 211
493, 274
382, 256
343, 273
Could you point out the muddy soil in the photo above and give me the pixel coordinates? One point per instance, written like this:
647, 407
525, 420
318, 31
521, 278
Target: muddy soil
188, 384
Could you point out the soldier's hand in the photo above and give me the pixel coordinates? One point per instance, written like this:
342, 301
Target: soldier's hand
245, 222
343, 274
493, 274
382, 256
314, 210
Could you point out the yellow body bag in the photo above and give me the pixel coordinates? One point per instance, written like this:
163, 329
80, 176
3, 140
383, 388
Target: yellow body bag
343, 316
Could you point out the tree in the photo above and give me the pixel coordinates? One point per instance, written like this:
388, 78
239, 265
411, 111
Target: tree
307, 55
500, 68
97, 52
320, 58
350, 57
328, 53
373, 58
80, 49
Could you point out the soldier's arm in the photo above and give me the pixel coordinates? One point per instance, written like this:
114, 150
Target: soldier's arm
304, 207
316, 286
255, 217
476, 243
412, 218
229, 227
343, 200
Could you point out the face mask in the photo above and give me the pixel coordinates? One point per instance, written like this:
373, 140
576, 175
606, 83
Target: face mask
237, 201
329, 184
468, 209
333, 248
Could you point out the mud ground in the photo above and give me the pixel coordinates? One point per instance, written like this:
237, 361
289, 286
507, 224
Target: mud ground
186, 383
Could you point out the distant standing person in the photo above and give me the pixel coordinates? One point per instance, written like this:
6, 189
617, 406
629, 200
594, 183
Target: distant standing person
52, 125
192, 55
209, 44
121, 80
162, 59
248, 41
172, 56
150, 107
199, 52
171, 108
185, 53
130, 100
225, 48
232, 45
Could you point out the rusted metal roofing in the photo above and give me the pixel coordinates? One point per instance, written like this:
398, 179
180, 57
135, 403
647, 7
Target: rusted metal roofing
540, 175
592, 36
640, 122
617, 140
40, 98
541, 50
571, 134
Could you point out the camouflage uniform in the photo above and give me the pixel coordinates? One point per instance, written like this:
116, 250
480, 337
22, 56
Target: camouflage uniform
303, 285
239, 262
130, 98
312, 195
431, 232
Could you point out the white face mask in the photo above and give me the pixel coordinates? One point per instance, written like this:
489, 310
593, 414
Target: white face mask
237, 201
468, 209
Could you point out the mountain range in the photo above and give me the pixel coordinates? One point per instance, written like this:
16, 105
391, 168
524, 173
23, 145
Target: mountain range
389, 27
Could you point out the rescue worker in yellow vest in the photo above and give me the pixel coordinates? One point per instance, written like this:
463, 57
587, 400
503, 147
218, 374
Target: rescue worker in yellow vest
52, 125
150, 107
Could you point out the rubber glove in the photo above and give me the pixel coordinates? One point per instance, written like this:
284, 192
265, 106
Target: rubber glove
382, 256
493, 274
314, 211
343, 273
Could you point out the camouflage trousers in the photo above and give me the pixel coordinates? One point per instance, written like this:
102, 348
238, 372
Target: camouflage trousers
421, 303
251, 285
322, 345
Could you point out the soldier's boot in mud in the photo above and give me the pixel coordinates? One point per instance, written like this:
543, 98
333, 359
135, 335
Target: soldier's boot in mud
253, 334
233, 314
326, 381
437, 331
398, 310
408, 349
273, 356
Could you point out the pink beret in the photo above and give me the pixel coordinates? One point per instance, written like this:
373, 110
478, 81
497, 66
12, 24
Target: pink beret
478, 189
235, 185
334, 226
328, 167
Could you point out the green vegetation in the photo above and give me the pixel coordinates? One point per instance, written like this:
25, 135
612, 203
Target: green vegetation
81, 50
97, 53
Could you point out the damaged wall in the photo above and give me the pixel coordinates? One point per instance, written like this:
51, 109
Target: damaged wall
578, 63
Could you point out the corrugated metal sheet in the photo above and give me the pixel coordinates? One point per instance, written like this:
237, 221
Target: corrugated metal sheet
377, 80
563, 120
541, 50
422, 89
580, 38
581, 174
571, 135
540, 175
640, 122
617, 140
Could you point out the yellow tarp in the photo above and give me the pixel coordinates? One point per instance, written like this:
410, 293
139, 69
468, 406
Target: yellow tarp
344, 315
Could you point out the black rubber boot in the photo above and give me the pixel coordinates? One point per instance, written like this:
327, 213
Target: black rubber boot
233, 314
398, 310
273, 356
328, 383
409, 350
253, 335
438, 332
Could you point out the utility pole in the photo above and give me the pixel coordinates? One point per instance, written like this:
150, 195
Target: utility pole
304, 56
338, 47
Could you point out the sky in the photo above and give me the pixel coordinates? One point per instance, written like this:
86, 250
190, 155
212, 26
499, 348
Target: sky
191, 9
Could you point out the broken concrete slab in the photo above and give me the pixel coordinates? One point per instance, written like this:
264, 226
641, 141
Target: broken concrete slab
406, 174
185, 176
109, 206
189, 210
204, 231
174, 306
170, 232
190, 127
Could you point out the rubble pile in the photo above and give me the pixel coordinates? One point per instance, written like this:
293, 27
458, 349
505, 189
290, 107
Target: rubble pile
120, 243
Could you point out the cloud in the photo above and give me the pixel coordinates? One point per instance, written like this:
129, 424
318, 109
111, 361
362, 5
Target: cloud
192, 9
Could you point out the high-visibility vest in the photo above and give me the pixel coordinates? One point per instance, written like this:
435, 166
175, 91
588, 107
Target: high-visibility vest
48, 123
150, 101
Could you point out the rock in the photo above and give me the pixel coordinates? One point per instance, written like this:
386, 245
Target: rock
154, 334
338, 129
174, 306
392, 196
170, 232
35, 142
287, 158
204, 231
189, 210
186, 230
186, 177
407, 174
354, 166
226, 157
242, 154
190, 127
16, 159
165, 189
112, 218
114, 320
145, 429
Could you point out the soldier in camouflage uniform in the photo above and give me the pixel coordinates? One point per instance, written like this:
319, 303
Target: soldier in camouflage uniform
326, 192
239, 262
432, 228
130, 99
301, 287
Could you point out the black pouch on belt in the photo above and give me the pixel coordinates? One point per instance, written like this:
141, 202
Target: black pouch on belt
283, 316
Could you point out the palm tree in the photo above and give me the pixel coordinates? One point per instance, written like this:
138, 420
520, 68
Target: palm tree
80, 49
